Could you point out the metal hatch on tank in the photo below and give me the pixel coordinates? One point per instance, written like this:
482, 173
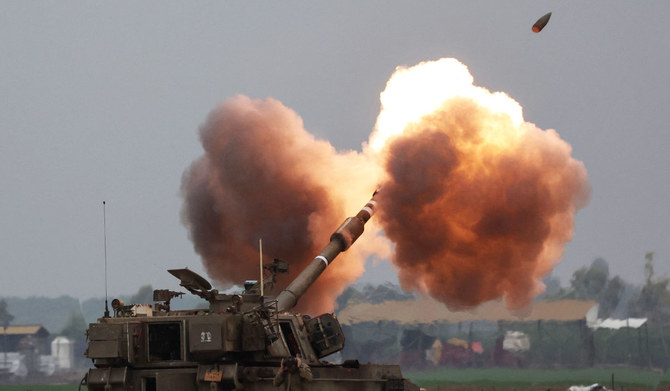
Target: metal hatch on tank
191, 280
237, 343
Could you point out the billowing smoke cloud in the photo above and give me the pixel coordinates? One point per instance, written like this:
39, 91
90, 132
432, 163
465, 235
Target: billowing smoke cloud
478, 203
474, 222
263, 176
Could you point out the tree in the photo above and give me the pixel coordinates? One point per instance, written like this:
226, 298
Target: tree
610, 297
553, 285
385, 292
649, 266
594, 284
553, 289
587, 284
5, 318
350, 295
374, 294
75, 330
654, 299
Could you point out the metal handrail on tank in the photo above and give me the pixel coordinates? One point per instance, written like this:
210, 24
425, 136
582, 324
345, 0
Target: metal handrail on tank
267, 316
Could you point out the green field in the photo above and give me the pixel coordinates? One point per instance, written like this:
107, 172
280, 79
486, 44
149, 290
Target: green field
495, 377
60, 387
537, 377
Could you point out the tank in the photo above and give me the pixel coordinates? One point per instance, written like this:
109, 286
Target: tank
238, 342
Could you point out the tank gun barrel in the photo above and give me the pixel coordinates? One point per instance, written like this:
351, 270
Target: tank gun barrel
340, 241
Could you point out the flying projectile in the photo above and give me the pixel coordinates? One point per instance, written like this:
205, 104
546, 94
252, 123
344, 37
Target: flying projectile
539, 25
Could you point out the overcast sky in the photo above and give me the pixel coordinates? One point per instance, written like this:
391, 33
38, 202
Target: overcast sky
103, 100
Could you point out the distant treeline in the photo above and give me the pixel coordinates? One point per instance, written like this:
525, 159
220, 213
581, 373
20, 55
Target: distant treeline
617, 298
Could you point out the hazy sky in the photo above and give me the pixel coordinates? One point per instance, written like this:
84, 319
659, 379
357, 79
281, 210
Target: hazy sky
103, 100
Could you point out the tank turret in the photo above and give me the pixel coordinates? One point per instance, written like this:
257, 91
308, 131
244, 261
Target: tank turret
237, 343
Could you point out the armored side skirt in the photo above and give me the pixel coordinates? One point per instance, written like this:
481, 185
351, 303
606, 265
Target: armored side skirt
231, 377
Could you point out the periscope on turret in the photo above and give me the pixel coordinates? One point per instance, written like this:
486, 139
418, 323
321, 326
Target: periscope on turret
237, 343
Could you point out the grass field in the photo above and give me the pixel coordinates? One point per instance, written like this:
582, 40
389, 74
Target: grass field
494, 377
537, 377
60, 387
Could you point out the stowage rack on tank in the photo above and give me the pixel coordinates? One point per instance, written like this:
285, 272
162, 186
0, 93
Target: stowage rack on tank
237, 343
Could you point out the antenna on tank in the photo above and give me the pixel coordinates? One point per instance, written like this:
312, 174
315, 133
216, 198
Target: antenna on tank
260, 250
104, 230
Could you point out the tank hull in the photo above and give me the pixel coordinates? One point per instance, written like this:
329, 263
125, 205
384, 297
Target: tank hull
367, 377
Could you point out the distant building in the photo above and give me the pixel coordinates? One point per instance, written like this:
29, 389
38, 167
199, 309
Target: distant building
18, 338
22, 350
429, 311
62, 350
421, 333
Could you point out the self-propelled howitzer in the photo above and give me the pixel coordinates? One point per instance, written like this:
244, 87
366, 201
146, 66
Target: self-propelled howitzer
237, 343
